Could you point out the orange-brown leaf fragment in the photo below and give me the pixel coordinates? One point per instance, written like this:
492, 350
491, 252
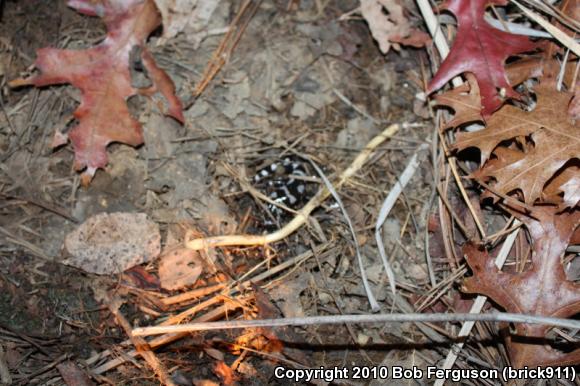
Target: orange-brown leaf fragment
102, 73
225, 372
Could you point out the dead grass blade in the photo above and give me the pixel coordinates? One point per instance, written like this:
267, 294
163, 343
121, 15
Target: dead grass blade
386, 207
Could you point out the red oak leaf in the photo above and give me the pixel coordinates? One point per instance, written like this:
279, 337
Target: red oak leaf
103, 75
481, 50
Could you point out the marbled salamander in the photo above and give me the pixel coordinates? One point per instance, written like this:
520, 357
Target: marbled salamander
278, 181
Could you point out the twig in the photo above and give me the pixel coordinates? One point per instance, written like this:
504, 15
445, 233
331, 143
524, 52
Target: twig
498, 317
44, 369
194, 294
443, 48
514, 28
212, 315
547, 6
161, 340
302, 215
140, 344
43, 205
229, 42
453, 167
37, 251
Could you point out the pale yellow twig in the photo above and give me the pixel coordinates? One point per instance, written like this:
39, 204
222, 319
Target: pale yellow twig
302, 215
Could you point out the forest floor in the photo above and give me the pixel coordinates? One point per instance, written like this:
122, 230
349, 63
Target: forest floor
306, 81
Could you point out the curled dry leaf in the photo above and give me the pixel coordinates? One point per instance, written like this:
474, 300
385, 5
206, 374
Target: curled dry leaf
107, 244
102, 73
391, 26
179, 268
482, 50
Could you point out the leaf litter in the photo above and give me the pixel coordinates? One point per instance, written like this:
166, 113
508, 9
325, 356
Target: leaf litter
259, 105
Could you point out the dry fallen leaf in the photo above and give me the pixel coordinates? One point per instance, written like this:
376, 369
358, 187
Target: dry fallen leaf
547, 140
192, 16
103, 75
541, 290
555, 140
107, 244
464, 101
391, 27
225, 372
564, 189
529, 153
481, 50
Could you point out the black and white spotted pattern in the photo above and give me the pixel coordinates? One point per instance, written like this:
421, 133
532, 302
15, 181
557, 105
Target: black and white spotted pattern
278, 181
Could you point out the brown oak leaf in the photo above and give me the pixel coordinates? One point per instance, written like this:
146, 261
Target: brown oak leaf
541, 290
556, 184
102, 73
482, 50
564, 189
555, 140
464, 101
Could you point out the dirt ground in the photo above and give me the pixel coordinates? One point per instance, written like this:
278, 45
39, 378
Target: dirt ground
305, 79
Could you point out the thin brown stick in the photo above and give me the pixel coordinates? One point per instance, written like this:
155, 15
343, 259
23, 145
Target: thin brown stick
453, 167
143, 348
162, 340
192, 295
229, 42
